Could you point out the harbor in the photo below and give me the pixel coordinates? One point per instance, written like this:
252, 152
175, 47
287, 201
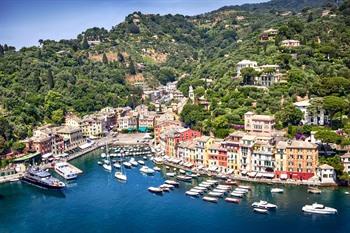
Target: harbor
98, 197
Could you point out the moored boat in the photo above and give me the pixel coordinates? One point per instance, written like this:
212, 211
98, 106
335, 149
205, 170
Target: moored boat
232, 200
236, 194
172, 182
147, 170
127, 164
64, 170
264, 205
108, 167
117, 165
155, 190
261, 211
184, 178
244, 187
277, 190
210, 199
156, 169
170, 174
120, 176
215, 194
192, 193
42, 178
314, 190
141, 162
316, 208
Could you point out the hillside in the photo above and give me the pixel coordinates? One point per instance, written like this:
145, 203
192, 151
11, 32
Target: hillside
99, 67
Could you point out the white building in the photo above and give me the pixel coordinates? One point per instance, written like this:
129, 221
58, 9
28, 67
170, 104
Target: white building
345, 159
318, 118
263, 157
246, 64
326, 174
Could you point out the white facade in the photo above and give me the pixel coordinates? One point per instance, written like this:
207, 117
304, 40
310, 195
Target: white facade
345, 159
326, 174
263, 158
318, 118
246, 64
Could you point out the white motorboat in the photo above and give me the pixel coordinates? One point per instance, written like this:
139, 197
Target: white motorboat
196, 190
241, 190
127, 164
319, 209
201, 188
235, 194
99, 162
108, 167
133, 162
156, 169
120, 176
140, 162
244, 187
314, 190
277, 190
103, 155
65, 171
219, 191
184, 178
144, 157
146, 170
155, 190
264, 205
346, 193
182, 171
172, 182
170, 174
232, 200
215, 194
106, 161
192, 193
204, 186
212, 181
261, 211
117, 165
210, 199
169, 186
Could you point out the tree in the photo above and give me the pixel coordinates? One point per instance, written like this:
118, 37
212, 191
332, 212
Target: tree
85, 44
57, 116
290, 115
133, 28
18, 146
132, 68
104, 59
2, 52
334, 104
328, 136
120, 57
50, 80
248, 75
2, 145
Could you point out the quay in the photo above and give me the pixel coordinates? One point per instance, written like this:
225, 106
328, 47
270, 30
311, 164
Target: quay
247, 179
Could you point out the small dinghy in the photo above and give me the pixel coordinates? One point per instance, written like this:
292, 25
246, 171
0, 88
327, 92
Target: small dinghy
261, 211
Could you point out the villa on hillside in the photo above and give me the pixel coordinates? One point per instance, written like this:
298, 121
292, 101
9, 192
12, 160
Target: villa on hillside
245, 64
318, 118
290, 43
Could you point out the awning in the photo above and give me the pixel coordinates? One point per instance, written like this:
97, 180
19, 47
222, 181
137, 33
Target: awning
26, 157
230, 171
259, 175
244, 172
284, 176
46, 156
86, 145
252, 174
269, 175
213, 168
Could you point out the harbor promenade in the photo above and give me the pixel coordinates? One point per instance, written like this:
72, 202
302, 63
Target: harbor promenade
248, 179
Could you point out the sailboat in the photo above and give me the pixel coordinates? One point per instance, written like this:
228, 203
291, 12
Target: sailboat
119, 175
107, 166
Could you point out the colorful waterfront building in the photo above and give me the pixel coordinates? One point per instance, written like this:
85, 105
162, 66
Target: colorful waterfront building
203, 144
232, 145
301, 160
345, 159
176, 135
263, 159
246, 153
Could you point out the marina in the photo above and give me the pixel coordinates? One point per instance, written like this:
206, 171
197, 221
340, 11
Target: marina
89, 198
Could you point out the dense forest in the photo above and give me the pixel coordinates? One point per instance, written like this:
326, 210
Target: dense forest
99, 68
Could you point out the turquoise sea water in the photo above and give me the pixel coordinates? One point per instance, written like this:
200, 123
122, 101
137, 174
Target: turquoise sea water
96, 202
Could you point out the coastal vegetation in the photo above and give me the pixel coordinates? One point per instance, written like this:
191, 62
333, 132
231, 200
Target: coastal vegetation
100, 67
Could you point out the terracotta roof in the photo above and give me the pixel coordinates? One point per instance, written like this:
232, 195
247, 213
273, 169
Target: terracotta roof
325, 166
